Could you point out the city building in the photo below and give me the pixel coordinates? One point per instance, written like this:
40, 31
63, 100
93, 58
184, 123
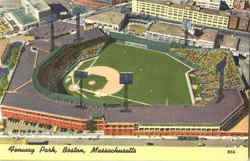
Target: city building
229, 3
233, 22
112, 21
179, 12
239, 4
175, 33
4, 46
244, 46
212, 4
37, 8
243, 23
99, 3
31, 13
10, 4
230, 42
113, 1
22, 20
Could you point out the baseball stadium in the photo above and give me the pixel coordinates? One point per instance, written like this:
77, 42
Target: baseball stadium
174, 89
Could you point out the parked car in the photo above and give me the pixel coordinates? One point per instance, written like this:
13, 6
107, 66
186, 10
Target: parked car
149, 143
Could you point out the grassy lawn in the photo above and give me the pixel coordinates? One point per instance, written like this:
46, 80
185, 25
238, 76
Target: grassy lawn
86, 64
139, 29
156, 75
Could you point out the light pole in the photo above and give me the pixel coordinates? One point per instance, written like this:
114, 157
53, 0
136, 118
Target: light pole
77, 11
51, 19
187, 26
220, 67
82, 75
126, 78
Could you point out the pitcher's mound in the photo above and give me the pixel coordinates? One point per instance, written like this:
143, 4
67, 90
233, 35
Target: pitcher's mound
74, 87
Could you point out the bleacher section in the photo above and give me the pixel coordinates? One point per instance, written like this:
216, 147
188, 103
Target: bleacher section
48, 76
51, 75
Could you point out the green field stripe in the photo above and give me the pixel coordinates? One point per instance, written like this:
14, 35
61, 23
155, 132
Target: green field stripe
121, 98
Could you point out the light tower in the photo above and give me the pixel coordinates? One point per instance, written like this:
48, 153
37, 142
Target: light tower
220, 67
82, 75
77, 11
51, 20
187, 26
126, 78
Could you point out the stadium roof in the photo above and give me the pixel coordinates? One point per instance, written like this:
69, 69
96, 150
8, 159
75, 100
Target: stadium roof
22, 17
211, 114
39, 4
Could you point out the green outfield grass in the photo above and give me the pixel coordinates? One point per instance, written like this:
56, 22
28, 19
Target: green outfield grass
156, 75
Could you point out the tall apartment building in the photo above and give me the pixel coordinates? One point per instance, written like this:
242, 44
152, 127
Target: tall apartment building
178, 12
211, 4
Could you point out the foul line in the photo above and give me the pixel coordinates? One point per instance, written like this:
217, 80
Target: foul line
93, 63
90, 91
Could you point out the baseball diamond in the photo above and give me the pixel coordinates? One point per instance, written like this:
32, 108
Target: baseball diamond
154, 77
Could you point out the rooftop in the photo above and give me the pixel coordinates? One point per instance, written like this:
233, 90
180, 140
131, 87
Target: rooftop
39, 4
177, 30
188, 5
212, 114
22, 17
244, 45
3, 45
108, 17
168, 29
229, 41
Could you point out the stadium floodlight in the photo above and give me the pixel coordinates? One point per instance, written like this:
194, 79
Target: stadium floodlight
220, 67
187, 26
126, 78
50, 20
82, 75
77, 11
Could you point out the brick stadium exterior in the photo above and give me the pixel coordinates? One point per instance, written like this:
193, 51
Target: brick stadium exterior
117, 123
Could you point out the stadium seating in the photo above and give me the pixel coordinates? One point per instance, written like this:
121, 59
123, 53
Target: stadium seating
208, 80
